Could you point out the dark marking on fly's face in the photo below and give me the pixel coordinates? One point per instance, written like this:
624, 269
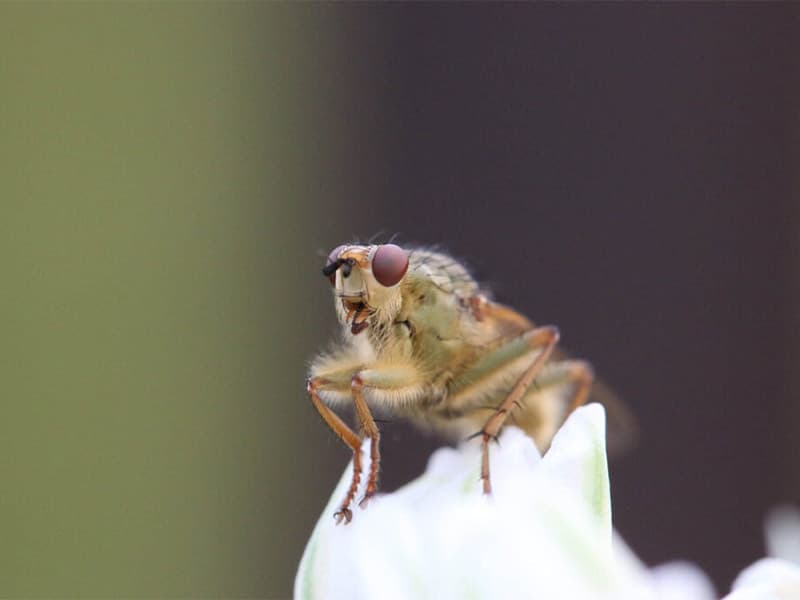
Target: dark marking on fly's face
357, 328
360, 318
347, 267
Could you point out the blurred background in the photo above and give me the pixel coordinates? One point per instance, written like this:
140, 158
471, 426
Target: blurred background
172, 175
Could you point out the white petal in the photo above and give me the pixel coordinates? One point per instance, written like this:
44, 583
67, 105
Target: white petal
767, 579
681, 580
783, 533
577, 457
545, 532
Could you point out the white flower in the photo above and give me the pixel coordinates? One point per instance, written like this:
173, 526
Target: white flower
777, 577
545, 532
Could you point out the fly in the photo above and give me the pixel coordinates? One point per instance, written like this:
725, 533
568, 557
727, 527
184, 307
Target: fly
421, 340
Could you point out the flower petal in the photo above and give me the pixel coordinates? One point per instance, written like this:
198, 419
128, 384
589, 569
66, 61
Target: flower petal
767, 579
783, 533
545, 532
577, 457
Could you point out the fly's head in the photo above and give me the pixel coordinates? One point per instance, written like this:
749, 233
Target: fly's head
366, 282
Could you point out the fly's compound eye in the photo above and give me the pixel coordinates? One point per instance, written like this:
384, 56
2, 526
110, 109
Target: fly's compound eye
389, 264
333, 263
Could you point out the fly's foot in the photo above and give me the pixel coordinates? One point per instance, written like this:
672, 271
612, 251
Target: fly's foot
486, 437
343, 514
365, 500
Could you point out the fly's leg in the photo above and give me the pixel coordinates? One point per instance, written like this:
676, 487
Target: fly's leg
388, 387
560, 388
348, 436
370, 429
543, 338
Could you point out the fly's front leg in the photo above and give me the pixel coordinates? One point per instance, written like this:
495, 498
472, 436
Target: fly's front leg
390, 388
370, 429
544, 338
347, 435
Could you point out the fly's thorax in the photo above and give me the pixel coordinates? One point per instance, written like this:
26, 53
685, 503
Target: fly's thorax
442, 271
432, 310
425, 326
390, 341
431, 325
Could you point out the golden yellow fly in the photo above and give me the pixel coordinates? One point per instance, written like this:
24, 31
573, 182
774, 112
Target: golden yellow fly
421, 340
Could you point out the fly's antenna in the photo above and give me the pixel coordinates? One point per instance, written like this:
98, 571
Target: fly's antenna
330, 269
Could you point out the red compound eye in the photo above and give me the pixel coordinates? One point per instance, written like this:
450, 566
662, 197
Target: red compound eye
329, 269
389, 264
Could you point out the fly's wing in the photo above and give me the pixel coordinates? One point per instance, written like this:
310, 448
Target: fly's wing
622, 428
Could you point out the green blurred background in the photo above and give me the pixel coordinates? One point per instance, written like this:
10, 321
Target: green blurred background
161, 165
